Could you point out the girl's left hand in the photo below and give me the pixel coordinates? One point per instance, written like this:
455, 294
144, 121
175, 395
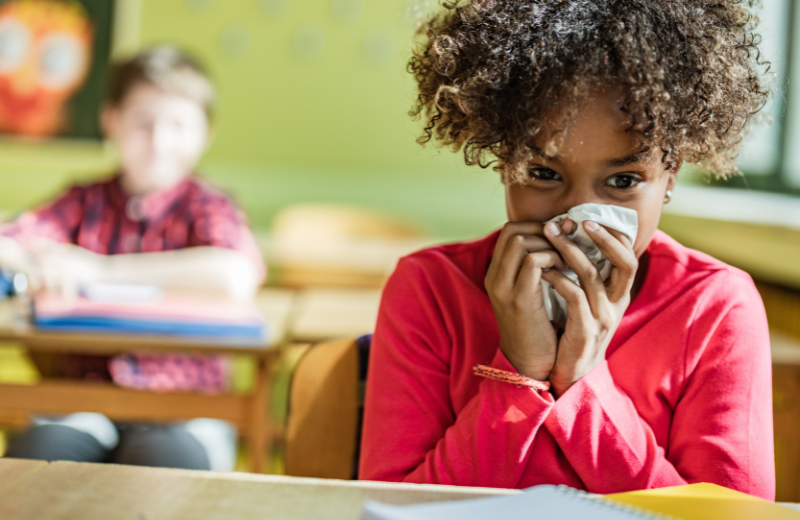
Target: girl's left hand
596, 307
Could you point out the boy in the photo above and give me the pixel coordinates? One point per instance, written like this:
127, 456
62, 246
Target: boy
154, 223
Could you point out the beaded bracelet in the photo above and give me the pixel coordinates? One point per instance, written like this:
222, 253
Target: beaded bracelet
510, 377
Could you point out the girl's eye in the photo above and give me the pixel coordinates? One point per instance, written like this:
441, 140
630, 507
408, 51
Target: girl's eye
623, 181
544, 174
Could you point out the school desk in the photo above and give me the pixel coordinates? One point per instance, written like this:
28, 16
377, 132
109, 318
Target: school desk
68, 490
58, 396
341, 246
321, 314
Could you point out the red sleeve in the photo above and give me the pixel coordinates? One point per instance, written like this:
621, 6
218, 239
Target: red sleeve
721, 429
57, 220
218, 223
411, 433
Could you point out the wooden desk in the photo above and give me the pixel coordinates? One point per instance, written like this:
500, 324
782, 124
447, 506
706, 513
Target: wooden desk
248, 412
322, 314
71, 491
14, 471
15, 326
68, 490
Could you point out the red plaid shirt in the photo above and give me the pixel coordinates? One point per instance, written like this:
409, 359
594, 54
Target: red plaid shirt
102, 218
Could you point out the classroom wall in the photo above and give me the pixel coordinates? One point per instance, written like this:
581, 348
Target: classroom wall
313, 107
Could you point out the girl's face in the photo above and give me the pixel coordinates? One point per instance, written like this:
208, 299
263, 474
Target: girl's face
596, 161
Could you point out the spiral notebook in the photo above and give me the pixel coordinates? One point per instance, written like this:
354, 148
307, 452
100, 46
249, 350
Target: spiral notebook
547, 502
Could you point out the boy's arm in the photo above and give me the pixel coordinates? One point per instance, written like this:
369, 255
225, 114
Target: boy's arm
52, 223
208, 270
214, 270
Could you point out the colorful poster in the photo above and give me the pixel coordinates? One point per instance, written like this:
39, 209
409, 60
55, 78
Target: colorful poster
54, 60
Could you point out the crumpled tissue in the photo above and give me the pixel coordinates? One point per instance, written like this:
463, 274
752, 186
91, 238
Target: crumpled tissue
624, 220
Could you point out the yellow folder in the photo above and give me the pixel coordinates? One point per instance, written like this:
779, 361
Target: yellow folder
705, 502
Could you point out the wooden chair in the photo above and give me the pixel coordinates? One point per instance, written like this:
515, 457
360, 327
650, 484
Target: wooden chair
323, 415
786, 415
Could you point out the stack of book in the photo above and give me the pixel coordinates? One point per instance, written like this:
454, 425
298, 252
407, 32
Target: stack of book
148, 311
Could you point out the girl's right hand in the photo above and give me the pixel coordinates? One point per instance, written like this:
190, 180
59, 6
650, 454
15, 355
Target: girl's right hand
527, 338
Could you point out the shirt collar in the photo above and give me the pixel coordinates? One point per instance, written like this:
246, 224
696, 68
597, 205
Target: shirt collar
148, 207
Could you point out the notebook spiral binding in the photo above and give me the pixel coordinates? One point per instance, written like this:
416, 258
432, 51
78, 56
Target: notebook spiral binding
601, 501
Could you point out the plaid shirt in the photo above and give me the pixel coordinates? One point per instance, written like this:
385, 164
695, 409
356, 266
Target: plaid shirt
100, 217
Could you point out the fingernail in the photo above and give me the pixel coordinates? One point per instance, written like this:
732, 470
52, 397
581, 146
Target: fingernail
594, 226
545, 269
553, 229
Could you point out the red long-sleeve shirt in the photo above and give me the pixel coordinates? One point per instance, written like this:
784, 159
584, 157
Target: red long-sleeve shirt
683, 396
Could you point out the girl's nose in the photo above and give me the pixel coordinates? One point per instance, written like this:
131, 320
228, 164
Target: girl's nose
580, 195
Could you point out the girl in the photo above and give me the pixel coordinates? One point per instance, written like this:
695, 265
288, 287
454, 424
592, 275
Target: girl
661, 374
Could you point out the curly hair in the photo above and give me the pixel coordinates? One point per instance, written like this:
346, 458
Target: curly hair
490, 71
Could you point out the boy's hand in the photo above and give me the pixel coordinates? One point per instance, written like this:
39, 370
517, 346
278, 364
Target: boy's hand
527, 338
13, 256
596, 307
64, 267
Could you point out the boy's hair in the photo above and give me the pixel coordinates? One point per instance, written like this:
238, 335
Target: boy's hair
491, 71
167, 68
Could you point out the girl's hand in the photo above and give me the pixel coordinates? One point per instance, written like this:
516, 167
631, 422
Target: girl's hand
595, 308
527, 338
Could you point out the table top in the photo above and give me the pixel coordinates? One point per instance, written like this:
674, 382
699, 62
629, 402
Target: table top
14, 471
324, 313
275, 304
68, 490
71, 490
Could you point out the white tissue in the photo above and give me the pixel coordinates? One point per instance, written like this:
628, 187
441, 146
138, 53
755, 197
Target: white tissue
624, 220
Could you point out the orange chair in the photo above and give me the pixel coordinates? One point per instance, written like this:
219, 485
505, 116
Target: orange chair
323, 415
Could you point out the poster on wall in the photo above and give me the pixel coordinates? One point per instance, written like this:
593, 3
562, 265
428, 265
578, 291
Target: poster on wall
54, 61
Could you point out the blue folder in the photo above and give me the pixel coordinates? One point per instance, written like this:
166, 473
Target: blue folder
107, 325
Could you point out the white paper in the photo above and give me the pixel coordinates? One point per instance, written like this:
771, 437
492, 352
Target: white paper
122, 293
545, 502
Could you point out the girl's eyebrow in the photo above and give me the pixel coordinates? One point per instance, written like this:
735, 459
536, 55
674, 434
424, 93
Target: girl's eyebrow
538, 151
638, 156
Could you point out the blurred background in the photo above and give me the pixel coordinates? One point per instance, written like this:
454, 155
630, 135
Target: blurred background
313, 103
313, 139
313, 109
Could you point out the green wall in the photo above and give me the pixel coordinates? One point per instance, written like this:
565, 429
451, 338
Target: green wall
313, 107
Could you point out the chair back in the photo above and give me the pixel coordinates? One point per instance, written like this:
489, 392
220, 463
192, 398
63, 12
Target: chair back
323, 413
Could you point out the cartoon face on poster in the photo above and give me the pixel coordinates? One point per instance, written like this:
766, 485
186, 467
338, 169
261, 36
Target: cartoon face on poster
53, 62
